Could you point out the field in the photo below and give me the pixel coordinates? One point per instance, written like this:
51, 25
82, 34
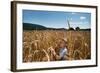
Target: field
37, 43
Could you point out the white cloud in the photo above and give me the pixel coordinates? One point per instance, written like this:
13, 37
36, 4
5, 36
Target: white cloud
82, 17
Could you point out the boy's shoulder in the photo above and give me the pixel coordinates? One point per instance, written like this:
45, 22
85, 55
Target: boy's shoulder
65, 49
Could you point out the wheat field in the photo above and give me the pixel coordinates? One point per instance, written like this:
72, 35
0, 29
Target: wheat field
37, 42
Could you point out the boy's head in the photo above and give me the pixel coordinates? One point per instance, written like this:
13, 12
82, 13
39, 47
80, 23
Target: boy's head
62, 43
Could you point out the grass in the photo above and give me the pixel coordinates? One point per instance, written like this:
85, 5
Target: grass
37, 42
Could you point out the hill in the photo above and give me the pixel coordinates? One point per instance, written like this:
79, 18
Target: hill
30, 26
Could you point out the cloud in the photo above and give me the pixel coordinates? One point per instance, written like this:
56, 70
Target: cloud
82, 17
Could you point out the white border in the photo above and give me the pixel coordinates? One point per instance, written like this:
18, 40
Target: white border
34, 65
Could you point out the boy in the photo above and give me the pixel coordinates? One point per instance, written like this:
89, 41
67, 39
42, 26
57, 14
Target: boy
61, 50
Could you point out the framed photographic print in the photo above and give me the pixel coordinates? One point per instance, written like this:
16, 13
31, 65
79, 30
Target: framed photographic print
47, 36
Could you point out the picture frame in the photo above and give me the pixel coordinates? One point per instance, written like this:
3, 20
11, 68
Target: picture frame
81, 30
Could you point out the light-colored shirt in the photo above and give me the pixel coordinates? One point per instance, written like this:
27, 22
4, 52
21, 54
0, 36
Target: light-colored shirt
63, 52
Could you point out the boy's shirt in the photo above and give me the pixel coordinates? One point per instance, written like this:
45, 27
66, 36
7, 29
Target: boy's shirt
63, 52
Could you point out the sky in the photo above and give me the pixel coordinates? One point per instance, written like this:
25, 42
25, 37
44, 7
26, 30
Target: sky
57, 19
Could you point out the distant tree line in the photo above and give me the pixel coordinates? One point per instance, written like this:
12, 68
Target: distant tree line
77, 28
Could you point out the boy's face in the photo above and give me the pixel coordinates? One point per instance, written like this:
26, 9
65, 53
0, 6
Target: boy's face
62, 44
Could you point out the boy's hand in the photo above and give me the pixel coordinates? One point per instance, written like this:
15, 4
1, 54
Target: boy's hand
58, 57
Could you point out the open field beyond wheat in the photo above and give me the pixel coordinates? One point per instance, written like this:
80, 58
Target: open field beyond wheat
37, 42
